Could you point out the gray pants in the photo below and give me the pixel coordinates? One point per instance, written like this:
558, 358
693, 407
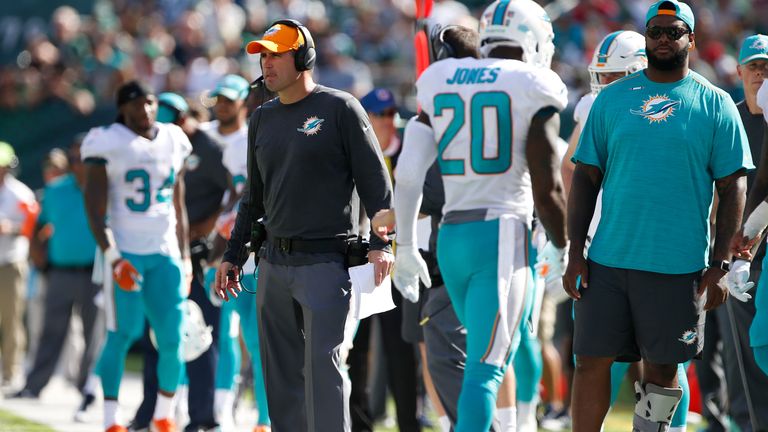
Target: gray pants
68, 290
446, 342
302, 312
756, 379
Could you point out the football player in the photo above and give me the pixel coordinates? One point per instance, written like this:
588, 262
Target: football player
492, 125
134, 196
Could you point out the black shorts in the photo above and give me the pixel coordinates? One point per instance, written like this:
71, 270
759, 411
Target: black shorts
632, 314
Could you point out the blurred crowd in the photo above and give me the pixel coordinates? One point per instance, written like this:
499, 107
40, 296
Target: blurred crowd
185, 46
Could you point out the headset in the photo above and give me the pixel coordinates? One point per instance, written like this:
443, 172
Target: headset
439, 49
305, 55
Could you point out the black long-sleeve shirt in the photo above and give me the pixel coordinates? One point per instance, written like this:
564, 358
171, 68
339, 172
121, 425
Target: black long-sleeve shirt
309, 156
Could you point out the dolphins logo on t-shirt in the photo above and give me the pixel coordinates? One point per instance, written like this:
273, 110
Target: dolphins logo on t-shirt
311, 126
656, 108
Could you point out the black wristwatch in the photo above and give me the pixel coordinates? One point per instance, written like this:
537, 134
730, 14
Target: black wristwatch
723, 265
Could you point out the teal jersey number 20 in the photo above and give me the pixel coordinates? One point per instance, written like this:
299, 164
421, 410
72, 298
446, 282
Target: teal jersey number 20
497, 101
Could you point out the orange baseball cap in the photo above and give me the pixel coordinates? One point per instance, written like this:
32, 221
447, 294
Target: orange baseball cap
277, 39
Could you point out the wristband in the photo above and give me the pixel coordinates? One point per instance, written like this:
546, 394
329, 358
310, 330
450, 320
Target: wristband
757, 221
187, 266
112, 255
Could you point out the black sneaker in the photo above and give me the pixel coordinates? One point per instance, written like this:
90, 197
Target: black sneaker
556, 420
25, 394
82, 410
133, 426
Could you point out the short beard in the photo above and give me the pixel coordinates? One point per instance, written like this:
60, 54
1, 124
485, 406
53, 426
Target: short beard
677, 61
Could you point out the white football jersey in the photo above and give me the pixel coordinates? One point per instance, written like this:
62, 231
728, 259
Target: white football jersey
141, 175
580, 116
235, 157
235, 160
581, 112
480, 111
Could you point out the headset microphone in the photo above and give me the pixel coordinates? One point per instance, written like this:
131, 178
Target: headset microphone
258, 82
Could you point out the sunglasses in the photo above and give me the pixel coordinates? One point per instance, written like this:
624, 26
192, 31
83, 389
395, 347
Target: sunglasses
673, 33
386, 113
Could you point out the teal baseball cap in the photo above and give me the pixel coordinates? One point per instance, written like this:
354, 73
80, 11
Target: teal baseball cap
674, 8
170, 106
232, 87
754, 48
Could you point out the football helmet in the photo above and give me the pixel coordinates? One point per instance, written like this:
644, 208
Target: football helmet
196, 336
621, 51
521, 23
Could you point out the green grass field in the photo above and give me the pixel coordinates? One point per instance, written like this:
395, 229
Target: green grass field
12, 423
619, 419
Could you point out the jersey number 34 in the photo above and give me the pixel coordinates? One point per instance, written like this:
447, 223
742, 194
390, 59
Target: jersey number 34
501, 104
141, 176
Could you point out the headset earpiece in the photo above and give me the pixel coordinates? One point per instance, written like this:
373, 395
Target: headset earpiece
306, 55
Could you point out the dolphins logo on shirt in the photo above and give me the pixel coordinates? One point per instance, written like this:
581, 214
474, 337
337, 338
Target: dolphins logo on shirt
688, 337
656, 108
311, 126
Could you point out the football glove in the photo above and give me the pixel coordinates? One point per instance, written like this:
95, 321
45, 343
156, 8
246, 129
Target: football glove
126, 276
410, 267
225, 223
551, 263
738, 282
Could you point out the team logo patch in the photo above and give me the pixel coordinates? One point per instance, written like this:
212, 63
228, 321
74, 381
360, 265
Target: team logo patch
311, 126
688, 337
192, 162
657, 108
760, 44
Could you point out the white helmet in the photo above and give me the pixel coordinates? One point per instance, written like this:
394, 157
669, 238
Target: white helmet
196, 336
521, 23
621, 51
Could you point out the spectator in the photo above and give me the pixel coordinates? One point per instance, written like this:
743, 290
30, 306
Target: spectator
18, 215
70, 256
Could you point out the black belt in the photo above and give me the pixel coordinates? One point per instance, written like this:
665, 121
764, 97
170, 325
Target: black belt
85, 268
327, 245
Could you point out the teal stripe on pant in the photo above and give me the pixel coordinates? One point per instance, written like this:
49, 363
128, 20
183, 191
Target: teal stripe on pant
161, 298
528, 363
230, 356
468, 258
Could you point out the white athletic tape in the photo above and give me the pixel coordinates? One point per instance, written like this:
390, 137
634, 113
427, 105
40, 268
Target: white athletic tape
757, 221
112, 255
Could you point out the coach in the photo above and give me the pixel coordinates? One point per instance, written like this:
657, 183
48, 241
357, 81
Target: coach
308, 150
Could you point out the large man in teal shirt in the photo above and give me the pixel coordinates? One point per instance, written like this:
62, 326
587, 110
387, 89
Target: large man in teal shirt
656, 141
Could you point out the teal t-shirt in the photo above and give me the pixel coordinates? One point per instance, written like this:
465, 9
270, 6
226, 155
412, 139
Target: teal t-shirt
71, 244
660, 147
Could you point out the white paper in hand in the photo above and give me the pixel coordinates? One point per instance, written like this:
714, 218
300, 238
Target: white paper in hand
367, 298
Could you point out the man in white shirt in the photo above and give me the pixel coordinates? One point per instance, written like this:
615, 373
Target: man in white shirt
18, 214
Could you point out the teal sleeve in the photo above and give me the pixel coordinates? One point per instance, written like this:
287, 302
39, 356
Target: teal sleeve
42, 218
730, 147
593, 146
